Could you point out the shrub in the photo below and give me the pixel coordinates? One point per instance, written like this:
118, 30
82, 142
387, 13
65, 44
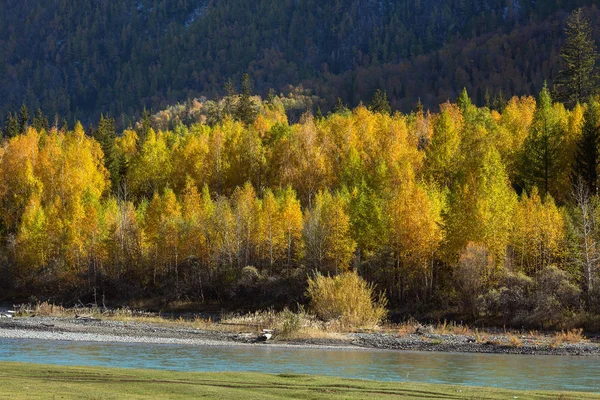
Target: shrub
347, 298
471, 276
555, 297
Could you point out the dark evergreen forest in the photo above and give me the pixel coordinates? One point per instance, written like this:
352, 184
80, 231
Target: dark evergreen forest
81, 58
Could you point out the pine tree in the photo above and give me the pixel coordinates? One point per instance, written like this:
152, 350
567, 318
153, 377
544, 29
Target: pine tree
106, 135
12, 125
271, 96
23, 119
245, 110
380, 104
230, 95
587, 159
144, 127
40, 122
579, 77
463, 101
340, 107
544, 147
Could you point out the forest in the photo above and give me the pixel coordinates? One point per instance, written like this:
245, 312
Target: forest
469, 211
80, 58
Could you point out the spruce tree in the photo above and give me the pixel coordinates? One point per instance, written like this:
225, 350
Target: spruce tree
380, 104
230, 95
587, 158
11, 128
340, 107
245, 111
419, 107
105, 134
23, 119
144, 127
40, 122
543, 146
463, 101
579, 77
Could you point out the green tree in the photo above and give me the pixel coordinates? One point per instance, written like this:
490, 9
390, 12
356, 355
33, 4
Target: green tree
40, 122
380, 103
463, 101
23, 119
246, 111
11, 128
105, 134
579, 77
543, 146
587, 158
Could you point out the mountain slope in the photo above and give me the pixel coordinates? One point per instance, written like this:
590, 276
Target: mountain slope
79, 58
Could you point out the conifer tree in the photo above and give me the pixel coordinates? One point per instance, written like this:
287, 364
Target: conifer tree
340, 107
543, 146
587, 158
105, 135
463, 100
12, 126
40, 122
230, 95
23, 119
579, 77
245, 111
380, 104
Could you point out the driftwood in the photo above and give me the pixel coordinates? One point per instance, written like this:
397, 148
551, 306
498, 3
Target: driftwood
85, 318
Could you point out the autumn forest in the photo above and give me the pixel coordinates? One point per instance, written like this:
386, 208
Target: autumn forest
481, 213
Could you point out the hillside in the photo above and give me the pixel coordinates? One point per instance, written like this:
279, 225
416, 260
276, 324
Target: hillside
81, 58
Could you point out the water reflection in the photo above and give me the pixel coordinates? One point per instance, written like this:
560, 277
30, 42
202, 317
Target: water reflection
509, 371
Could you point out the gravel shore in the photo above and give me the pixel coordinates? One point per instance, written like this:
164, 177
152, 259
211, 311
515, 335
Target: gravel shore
70, 329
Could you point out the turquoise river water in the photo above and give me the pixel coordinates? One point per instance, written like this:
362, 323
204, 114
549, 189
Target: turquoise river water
497, 370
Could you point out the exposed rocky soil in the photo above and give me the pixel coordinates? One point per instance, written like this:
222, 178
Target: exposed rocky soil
54, 328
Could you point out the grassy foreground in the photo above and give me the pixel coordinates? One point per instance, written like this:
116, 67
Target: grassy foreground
27, 381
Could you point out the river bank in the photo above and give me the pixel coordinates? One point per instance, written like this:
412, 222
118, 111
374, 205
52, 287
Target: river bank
106, 330
25, 381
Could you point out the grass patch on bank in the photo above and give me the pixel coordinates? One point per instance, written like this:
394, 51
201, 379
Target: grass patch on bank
26, 381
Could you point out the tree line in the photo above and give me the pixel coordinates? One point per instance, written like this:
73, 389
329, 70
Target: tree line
469, 208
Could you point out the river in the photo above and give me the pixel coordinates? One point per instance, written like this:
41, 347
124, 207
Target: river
496, 370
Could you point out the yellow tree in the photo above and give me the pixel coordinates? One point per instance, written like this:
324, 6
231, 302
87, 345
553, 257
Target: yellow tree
291, 221
31, 241
151, 168
246, 213
443, 153
304, 164
514, 125
481, 207
414, 235
18, 180
538, 237
329, 245
272, 233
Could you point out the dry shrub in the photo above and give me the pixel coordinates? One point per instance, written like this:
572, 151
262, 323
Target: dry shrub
408, 327
347, 298
479, 337
570, 336
514, 341
452, 328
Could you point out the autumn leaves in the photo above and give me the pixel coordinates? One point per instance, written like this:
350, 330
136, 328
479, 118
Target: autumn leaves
407, 200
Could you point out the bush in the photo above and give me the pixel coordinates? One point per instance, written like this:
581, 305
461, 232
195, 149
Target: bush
347, 298
555, 297
471, 276
513, 301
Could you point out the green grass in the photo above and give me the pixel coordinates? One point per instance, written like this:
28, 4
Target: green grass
33, 381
